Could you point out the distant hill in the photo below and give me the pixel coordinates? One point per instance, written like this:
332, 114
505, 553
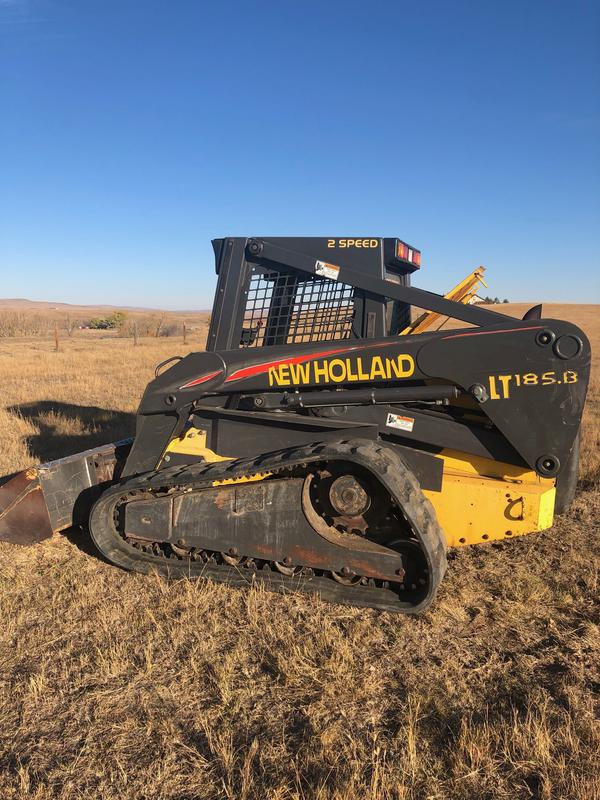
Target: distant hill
22, 304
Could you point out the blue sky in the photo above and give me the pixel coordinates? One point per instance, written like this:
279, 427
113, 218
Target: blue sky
131, 133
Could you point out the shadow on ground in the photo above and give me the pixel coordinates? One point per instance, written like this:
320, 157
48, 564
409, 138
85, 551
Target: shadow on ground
53, 419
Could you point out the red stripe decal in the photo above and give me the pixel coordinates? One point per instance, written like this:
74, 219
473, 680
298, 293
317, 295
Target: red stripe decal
202, 379
258, 369
489, 333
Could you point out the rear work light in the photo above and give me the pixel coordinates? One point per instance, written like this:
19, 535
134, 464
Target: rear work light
407, 253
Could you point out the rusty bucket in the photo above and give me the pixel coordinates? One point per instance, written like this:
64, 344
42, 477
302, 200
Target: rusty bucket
51, 497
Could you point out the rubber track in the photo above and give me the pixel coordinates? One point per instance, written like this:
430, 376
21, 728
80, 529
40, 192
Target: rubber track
382, 461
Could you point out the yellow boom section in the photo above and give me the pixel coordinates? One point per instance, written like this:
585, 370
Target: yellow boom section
482, 500
462, 293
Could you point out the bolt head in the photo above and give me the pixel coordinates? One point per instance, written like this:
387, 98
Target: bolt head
479, 392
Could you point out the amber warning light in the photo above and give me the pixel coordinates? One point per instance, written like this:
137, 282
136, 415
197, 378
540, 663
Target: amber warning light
407, 253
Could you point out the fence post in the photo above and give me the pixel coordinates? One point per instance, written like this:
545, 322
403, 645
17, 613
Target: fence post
135, 341
184, 334
56, 348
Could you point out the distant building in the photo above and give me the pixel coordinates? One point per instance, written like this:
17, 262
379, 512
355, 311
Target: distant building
476, 299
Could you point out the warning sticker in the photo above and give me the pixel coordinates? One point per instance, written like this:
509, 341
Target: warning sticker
327, 270
402, 423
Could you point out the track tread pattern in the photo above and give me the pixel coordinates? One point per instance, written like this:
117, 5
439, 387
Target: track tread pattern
381, 460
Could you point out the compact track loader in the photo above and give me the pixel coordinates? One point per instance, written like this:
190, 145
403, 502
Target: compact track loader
325, 441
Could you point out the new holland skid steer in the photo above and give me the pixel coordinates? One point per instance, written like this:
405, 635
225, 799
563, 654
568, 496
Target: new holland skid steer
327, 440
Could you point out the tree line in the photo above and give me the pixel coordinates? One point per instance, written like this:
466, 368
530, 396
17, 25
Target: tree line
14, 323
493, 300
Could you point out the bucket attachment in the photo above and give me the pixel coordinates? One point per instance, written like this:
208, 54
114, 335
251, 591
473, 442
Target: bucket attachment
51, 497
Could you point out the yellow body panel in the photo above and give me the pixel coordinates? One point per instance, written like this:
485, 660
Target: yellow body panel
481, 499
464, 463
192, 442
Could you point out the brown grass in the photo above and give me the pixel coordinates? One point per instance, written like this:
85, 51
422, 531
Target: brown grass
122, 686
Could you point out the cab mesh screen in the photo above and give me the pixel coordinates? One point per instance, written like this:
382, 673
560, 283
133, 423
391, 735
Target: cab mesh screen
290, 308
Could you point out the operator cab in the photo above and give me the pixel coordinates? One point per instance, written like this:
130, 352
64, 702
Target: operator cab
296, 297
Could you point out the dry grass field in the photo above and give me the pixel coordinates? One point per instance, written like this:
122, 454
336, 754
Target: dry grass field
119, 686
